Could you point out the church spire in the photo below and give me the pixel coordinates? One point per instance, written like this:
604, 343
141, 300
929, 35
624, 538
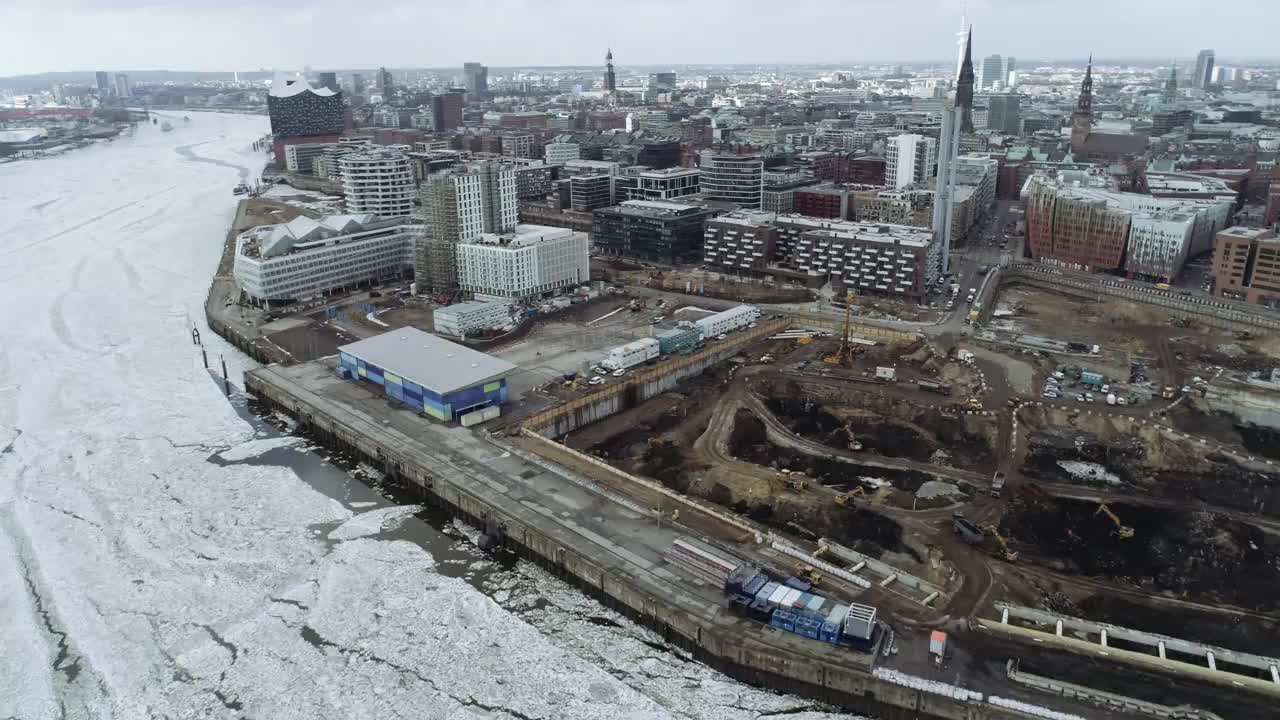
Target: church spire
1085, 103
610, 78
1171, 87
964, 85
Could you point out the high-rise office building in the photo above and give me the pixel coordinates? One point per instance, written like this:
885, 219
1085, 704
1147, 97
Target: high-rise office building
104, 83
329, 80
358, 83
446, 111
386, 84
378, 182
1004, 113
910, 159
732, 178
477, 77
992, 67
663, 82
459, 206
123, 88
1203, 76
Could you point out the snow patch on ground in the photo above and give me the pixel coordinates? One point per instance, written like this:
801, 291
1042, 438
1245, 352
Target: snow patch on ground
1089, 472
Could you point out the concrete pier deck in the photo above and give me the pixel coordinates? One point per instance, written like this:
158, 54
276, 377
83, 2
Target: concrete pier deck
612, 547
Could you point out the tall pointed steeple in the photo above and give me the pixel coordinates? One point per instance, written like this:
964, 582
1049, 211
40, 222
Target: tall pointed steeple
1171, 86
610, 78
964, 85
1085, 103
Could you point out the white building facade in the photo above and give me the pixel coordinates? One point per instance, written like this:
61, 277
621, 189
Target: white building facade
530, 262
467, 318
909, 159
379, 182
559, 153
305, 258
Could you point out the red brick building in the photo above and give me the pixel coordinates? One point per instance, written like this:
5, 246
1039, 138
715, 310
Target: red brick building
822, 201
1075, 232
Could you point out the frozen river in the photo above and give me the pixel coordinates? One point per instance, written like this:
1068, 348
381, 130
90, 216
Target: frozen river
163, 554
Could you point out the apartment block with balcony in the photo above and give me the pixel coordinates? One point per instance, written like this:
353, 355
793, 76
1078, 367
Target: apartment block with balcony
529, 262
868, 258
379, 182
740, 242
655, 230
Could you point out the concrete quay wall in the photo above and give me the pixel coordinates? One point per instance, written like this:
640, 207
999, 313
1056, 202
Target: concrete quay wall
825, 675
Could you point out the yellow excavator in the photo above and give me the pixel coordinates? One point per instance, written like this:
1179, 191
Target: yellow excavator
809, 573
1124, 531
844, 356
843, 499
1005, 553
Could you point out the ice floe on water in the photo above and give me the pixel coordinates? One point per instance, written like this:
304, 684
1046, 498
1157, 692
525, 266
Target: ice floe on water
254, 448
373, 522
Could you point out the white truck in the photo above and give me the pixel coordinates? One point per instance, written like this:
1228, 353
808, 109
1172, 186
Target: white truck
631, 354
886, 373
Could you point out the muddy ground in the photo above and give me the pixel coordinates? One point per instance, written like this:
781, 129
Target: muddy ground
1144, 458
1197, 555
884, 424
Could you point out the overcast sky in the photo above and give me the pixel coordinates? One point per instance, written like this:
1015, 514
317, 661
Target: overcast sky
49, 35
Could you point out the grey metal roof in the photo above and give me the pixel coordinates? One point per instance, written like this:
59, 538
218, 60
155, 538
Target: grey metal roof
429, 360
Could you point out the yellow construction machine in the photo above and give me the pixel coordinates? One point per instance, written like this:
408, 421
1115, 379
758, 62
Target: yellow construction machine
1005, 553
1124, 531
810, 574
843, 498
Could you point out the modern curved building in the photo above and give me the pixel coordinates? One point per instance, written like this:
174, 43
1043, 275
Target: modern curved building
732, 178
378, 182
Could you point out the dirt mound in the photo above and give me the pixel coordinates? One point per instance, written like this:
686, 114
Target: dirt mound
1191, 554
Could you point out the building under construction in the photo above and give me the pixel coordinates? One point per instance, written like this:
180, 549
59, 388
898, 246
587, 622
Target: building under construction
460, 206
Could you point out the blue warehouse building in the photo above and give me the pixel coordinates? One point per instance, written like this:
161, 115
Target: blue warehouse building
443, 379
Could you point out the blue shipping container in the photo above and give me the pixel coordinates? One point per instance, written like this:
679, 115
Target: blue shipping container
797, 583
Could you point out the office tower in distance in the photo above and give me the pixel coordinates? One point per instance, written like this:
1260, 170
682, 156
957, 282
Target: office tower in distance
477, 78
1004, 113
663, 82
446, 110
386, 85
992, 66
329, 80
1203, 76
123, 88
103, 82
459, 206
358, 84
910, 159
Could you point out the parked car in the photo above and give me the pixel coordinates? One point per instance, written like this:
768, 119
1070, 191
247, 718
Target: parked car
597, 380
721, 337
619, 373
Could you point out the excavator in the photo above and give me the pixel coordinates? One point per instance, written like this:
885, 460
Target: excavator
844, 356
795, 482
843, 499
1005, 553
1123, 531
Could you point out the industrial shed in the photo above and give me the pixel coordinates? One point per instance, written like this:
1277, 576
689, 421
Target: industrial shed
443, 379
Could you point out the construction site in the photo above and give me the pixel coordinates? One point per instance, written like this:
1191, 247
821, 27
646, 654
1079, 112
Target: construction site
1027, 493
966, 461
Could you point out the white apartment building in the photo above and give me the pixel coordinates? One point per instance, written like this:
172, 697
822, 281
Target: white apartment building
379, 182
532, 261
458, 206
732, 178
909, 159
463, 319
558, 153
518, 146
304, 258
654, 119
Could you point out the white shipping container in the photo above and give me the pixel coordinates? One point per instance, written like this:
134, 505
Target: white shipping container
776, 598
886, 373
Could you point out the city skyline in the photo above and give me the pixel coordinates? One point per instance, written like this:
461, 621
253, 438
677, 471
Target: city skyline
524, 33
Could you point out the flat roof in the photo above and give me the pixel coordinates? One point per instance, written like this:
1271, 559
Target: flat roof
429, 360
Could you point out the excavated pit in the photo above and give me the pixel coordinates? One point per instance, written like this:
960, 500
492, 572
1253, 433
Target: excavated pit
1195, 555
